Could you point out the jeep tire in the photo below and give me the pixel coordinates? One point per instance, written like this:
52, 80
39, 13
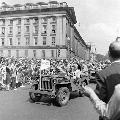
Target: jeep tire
33, 96
62, 96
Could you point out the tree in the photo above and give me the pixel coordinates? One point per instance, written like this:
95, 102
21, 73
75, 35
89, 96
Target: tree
100, 57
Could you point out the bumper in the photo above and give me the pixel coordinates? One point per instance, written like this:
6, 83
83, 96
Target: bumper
38, 92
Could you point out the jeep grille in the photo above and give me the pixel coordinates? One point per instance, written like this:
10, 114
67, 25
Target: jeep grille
46, 84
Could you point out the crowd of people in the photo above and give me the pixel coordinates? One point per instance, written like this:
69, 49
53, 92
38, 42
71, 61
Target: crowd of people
16, 73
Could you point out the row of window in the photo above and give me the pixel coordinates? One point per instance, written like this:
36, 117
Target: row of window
26, 53
27, 21
27, 42
27, 29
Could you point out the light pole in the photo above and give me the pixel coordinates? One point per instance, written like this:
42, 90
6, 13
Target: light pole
56, 51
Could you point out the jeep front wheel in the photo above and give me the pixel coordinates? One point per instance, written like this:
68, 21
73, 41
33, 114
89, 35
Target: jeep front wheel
33, 96
63, 96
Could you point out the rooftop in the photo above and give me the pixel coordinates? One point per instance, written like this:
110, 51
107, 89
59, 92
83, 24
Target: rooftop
37, 8
49, 4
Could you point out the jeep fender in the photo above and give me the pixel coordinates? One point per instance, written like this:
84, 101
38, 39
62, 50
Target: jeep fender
63, 84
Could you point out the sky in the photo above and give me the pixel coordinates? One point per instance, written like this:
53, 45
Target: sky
98, 21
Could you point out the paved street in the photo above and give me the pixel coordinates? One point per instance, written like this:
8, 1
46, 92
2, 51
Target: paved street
15, 105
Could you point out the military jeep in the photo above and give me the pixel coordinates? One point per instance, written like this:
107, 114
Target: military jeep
56, 86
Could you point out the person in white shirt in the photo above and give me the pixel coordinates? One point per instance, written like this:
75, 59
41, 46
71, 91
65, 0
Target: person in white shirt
77, 74
110, 110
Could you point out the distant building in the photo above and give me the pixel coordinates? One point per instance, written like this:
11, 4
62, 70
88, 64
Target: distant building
41, 30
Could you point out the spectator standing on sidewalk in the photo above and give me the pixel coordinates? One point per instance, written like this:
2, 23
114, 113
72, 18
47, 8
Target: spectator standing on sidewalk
13, 76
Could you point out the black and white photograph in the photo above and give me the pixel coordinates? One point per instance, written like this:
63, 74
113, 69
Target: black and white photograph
60, 60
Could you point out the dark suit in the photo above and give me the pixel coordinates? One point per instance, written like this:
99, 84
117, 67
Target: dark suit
106, 81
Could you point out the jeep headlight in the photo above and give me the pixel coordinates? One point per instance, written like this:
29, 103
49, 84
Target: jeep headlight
54, 81
60, 80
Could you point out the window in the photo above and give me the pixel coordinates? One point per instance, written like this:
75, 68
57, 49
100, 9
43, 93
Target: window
34, 53
27, 20
3, 41
27, 7
9, 53
52, 53
17, 8
27, 29
19, 21
53, 40
10, 30
19, 29
3, 22
44, 40
27, 40
54, 5
18, 41
10, 41
36, 40
4, 9
26, 53
11, 22
43, 53
44, 30
36, 29
3, 30
35, 20
53, 19
17, 53
44, 20
53, 28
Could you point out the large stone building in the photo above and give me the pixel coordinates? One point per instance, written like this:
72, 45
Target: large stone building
41, 30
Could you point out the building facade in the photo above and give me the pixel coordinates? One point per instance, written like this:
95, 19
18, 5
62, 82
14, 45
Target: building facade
41, 30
